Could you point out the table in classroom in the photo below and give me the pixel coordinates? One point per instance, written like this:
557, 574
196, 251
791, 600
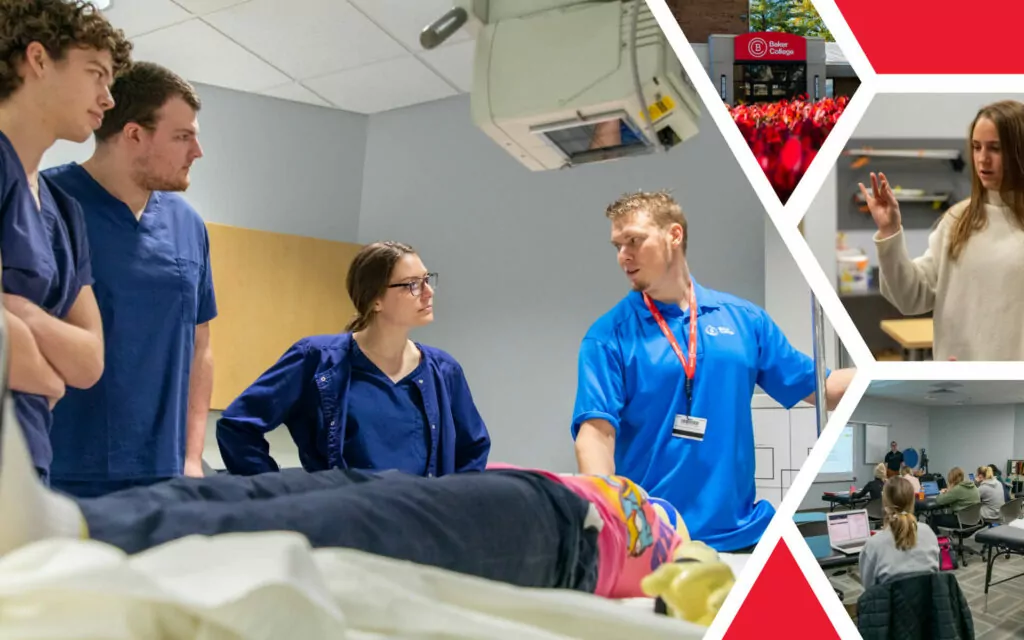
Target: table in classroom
843, 498
914, 335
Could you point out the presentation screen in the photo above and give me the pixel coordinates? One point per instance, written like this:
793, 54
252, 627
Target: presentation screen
838, 465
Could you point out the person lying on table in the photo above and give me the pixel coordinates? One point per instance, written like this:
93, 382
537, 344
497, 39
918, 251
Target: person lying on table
530, 528
368, 398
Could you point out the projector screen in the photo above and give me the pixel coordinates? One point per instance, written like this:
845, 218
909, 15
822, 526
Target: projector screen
838, 466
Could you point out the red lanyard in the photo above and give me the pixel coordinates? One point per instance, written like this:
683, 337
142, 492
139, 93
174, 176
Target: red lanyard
689, 364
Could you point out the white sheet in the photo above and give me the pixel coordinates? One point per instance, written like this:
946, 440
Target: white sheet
272, 585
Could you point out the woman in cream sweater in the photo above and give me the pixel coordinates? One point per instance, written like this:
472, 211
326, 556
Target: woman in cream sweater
972, 275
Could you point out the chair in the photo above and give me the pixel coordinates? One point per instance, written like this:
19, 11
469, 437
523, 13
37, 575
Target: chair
1011, 510
876, 513
970, 523
921, 606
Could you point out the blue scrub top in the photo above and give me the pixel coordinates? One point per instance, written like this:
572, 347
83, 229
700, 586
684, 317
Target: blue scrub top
631, 377
316, 390
45, 254
153, 285
387, 426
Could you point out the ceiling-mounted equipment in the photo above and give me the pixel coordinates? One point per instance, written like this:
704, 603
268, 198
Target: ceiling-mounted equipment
560, 83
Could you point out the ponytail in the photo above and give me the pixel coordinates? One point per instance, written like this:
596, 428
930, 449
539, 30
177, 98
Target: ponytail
904, 529
898, 501
357, 323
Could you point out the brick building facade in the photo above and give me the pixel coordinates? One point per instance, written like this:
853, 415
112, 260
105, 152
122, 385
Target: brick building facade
700, 19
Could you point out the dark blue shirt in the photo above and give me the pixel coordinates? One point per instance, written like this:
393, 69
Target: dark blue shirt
387, 424
45, 255
311, 391
631, 377
153, 285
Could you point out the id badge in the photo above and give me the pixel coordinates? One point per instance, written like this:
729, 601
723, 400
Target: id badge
689, 427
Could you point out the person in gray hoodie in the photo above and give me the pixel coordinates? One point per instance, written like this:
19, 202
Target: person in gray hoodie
991, 492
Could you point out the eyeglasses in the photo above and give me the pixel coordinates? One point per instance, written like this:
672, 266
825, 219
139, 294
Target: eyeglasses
415, 286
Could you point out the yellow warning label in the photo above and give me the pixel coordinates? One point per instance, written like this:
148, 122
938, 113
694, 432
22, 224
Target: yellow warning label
660, 108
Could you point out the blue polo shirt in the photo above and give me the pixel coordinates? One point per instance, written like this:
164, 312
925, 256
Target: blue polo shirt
153, 284
631, 377
45, 254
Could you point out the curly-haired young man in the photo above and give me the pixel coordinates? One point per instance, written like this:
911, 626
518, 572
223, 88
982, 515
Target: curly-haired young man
58, 59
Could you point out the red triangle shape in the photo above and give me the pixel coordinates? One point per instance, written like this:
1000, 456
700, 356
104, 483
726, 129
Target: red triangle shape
781, 600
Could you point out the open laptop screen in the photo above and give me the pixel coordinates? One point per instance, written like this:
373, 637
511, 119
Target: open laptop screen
848, 527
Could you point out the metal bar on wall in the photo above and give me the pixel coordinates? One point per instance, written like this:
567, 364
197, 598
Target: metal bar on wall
818, 329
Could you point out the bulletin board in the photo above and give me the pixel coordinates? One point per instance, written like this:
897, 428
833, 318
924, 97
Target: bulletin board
272, 289
876, 443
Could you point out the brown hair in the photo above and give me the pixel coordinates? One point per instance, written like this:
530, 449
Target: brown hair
139, 93
58, 25
1008, 117
956, 476
659, 205
898, 502
369, 276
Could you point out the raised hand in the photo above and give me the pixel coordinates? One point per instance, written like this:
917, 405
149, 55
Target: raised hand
882, 204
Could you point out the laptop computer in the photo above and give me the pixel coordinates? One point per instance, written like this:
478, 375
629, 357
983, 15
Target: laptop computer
848, 531
930, 488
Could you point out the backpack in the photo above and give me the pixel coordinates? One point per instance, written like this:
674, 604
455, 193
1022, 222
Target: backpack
947, 555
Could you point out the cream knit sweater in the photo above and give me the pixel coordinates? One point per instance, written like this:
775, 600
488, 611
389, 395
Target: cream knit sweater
978, 300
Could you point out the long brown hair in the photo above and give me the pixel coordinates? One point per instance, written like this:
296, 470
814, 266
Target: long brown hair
369, 276
1008, 117
955, 477
898, 502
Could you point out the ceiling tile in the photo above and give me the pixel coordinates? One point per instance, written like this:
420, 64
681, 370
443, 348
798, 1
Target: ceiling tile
136, 17
455, 63
296, 93
209, 58
203, 7
307, 38
404, 19
382, 86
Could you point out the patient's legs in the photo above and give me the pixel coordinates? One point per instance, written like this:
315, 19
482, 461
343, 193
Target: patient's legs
512, 526
231, 488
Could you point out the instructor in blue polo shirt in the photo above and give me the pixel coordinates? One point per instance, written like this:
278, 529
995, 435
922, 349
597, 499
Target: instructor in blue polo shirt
145, 421
667, 376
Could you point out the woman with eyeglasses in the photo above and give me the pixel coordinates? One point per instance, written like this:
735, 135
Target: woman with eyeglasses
367, 398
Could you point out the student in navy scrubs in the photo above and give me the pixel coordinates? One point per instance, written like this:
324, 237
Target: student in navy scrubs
145, 421
369, 398
59, 59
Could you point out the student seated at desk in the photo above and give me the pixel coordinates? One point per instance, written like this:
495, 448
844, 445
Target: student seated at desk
901, 547
872, 489
990, 491
961, 494
909, 476
1007, 485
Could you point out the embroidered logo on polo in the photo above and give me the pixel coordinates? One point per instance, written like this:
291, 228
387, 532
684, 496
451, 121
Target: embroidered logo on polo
716, 331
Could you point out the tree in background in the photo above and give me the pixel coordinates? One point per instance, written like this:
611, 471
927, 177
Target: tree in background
798, 17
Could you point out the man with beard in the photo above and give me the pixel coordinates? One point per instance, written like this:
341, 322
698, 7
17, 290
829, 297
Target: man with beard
145, 420
667, 376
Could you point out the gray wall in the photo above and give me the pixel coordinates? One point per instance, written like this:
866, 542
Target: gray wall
1018, 435
908, 425
271, 165
970, 436
524, 258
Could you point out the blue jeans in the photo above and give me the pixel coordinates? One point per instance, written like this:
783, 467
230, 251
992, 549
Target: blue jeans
507, 525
